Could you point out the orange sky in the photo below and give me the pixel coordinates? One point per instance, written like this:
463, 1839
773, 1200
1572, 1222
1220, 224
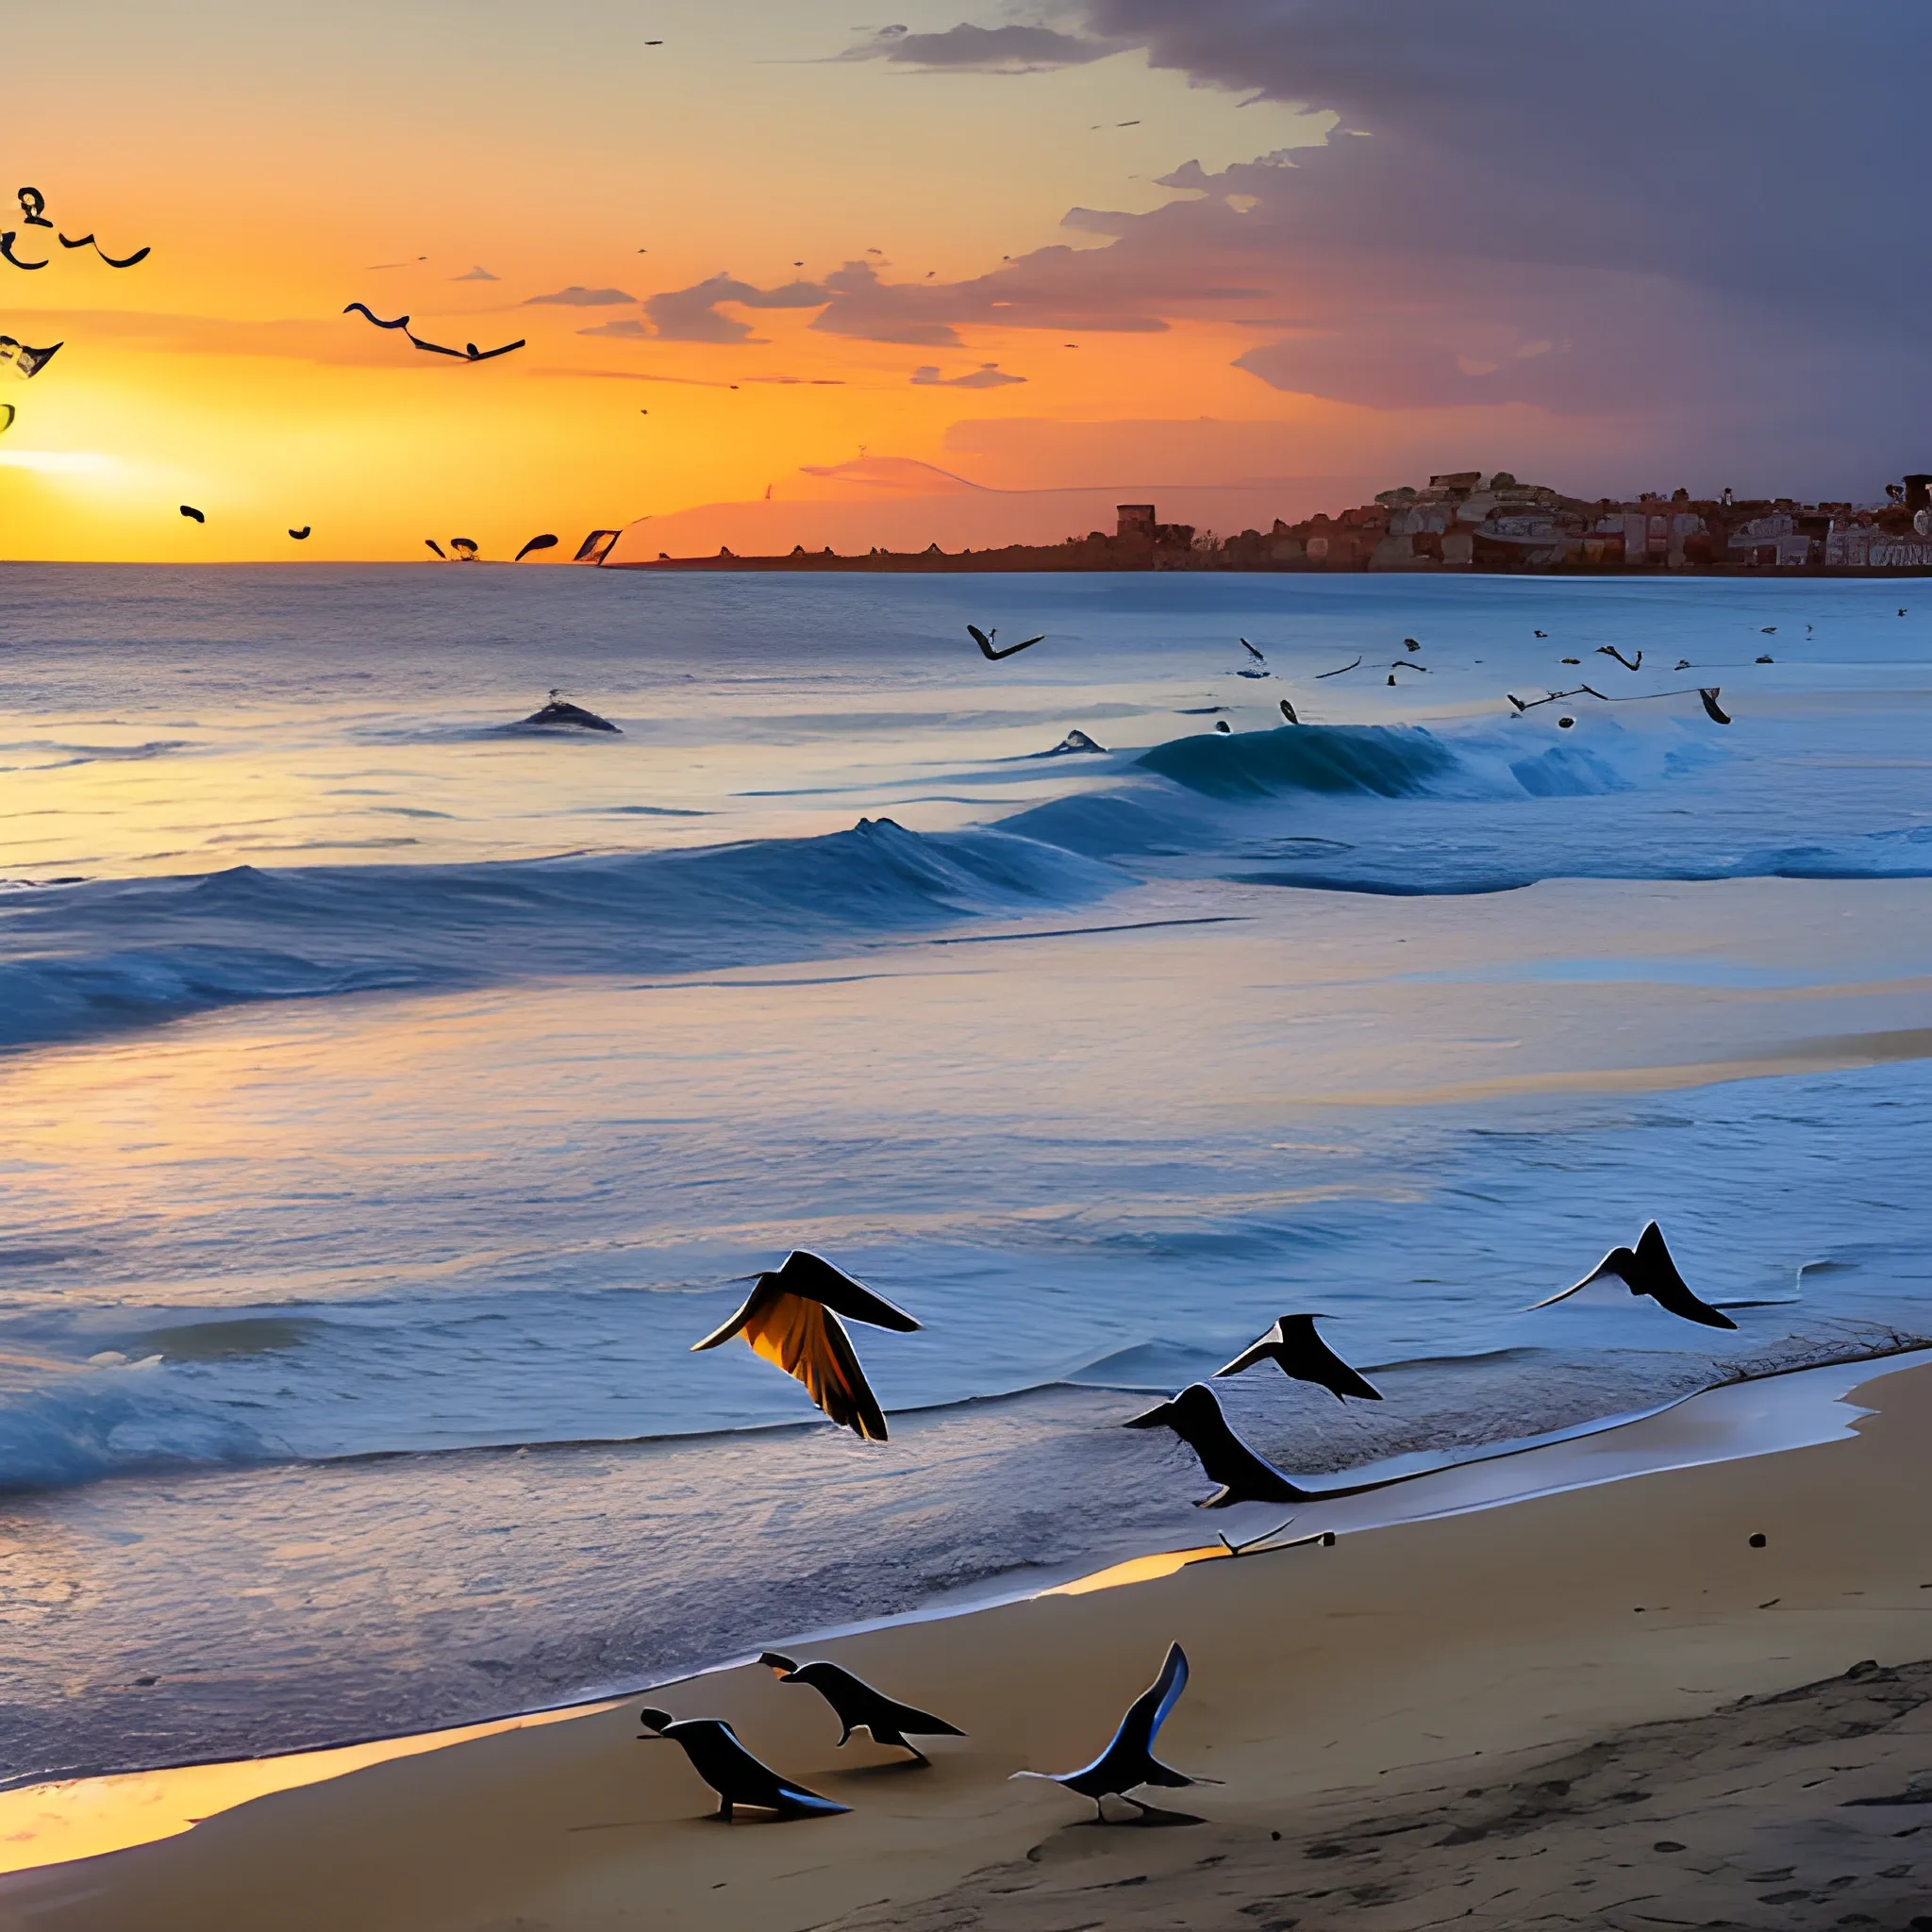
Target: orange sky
274, 157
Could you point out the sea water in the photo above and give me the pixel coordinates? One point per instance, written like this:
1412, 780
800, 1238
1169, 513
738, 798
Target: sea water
394, 1092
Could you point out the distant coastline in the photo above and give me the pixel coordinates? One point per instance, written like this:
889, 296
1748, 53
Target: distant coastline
1461, 523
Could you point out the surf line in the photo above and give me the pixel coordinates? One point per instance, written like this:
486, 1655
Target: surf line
1071, 932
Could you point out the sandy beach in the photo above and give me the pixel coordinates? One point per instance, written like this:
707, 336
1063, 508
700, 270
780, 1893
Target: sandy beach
1598, 1706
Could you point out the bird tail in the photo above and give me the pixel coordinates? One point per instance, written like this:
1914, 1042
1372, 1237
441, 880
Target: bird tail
800, 1800
1160, 1773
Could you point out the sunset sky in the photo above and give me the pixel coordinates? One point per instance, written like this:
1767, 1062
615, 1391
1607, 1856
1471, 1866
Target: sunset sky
1100, 245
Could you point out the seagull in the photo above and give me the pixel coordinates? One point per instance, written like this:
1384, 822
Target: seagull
1628, 663
792, 1318
1287, 712
1708, 696
1682, 664
859, 1707
984, 640
1648, 1269
1766, 659
1768, 630
535, 543
1410, 644
1573, 661
188, 509
124, 261
731, 1770
1296, 1350
1194, 1415
301, 535
468, 353
1129, 1760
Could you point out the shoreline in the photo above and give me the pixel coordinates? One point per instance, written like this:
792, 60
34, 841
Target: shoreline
1632, 1497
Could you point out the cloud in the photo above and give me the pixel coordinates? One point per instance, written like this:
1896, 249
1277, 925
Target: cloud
1048, 290
968, 49
628, 326
1697, 209
476, 275
988, 375
691, 315
576, 297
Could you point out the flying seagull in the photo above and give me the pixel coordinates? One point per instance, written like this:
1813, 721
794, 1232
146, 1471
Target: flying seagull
1296, 1350
792, 1318
859, 1707
188, 509
1129, 1760
1711, 711
731, 1770
469, 353
124, 261
984, 640
1628, 663
301, 535
1648, 1269
535, 543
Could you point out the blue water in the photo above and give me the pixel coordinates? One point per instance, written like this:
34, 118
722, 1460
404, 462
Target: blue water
394, 1090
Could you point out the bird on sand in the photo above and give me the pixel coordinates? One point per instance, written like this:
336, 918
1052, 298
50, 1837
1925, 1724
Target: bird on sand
985, 641
1194, 1415
792, 1318
301, 535
1708, 698
1682, 664
859, 1707
1296, 1350
730, 1770
1129, 1761
1287, 712
1648, 1269
188, 509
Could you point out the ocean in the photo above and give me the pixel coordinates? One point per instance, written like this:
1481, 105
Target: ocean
393, 1092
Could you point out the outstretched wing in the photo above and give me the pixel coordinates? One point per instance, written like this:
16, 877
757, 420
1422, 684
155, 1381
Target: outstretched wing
980, 638
805, 1339
401, 321
1258, 1352
1610, 1264
7, 250
477, 355
803, 1273
437, 348
1669, 1289
1025, 644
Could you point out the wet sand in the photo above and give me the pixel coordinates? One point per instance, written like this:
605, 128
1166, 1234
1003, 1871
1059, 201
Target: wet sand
1401, 1707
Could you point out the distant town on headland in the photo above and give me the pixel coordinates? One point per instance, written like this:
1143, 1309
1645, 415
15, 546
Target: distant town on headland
1461, 522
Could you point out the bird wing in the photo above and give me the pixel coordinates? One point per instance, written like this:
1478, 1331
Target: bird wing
1251, 652
1008, 650
1256, 1352
805, 1339
1337, 671
1149, 1710
1668, 1287
1711, 709
7, 250
1563, 1294
980, 638
477, 355
402, 322
803, 1273
436, 348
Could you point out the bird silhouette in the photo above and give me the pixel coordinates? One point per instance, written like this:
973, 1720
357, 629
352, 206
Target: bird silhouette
189, 510
1628, 663
985, 641
859, 1707
301, 535
1129, 1761
1711, 709
1287, 712
1296, 1350
437, 547
1648, 1269
1194, 1415
792, 1318
1410, 644
535, 543
730, 1770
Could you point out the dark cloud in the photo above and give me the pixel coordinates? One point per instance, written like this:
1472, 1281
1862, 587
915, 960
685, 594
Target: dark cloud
1699, 209
970, 49
576, 297
988, 375
691, 315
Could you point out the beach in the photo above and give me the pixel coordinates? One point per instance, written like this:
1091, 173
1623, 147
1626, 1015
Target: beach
1601, 1705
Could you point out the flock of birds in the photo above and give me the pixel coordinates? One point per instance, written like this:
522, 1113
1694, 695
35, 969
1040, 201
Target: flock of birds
794, 1317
